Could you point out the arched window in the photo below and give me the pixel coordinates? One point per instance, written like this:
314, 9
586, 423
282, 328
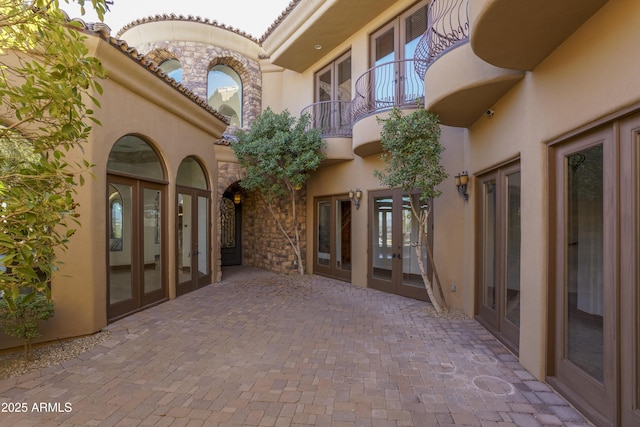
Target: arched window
133, 156
172, 68
225, 92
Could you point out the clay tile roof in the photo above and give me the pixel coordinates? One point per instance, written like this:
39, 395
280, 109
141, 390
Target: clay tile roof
189, 18
279, 20
104, 32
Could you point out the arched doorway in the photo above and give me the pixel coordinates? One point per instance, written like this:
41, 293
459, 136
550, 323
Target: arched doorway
136, 191
193, 227
231, 226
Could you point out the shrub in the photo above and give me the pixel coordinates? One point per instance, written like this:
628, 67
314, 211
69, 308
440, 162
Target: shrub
21, 317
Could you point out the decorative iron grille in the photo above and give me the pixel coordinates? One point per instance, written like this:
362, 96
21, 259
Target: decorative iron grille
333, 118
448, 26
394, 84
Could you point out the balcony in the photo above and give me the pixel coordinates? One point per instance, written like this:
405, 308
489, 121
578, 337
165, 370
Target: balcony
460, 86
333, 119
378, 90
520, 34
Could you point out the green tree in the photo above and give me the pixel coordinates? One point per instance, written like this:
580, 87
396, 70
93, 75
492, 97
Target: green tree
46, 78
23, 321
411, 157
278, 154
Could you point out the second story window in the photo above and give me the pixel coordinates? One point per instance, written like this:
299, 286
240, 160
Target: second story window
392, 51
224, 92
332, 96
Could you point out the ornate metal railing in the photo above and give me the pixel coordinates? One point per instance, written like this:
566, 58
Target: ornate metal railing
394, 84
447, 27
333, 118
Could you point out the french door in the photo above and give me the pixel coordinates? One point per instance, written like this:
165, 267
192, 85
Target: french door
136, 269
193, 236
392, 49
595, 316
393, 264
333, 97
332, 242
498, 293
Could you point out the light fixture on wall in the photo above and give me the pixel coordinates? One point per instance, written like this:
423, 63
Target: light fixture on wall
237, 198
355, 197
462, 181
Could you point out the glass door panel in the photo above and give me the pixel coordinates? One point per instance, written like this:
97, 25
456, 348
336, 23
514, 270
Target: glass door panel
184, 238
193, 241
382, 238
384, 75
204, 275
121, 255
332, 239
411, 275
489, 245
584, 279
324, 234
415, 25
152, 240
343, 234
512, 274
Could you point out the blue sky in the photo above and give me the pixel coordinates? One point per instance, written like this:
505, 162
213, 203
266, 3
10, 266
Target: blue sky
251, 16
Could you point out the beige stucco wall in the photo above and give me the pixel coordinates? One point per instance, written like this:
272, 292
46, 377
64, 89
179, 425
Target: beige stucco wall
131, 104
591, 75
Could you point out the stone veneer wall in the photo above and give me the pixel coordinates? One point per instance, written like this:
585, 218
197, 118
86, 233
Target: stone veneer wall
198, 58
263, 244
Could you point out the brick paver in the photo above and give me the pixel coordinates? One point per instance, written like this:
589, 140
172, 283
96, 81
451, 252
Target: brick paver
263, 350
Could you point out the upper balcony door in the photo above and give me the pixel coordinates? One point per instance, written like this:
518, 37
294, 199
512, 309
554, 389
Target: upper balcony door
333, 95
392, 48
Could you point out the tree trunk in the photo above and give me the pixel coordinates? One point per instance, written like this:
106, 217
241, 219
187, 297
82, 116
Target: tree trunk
423, 219
295, 245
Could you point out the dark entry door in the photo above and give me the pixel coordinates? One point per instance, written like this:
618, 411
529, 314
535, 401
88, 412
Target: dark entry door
231, 231
393, 265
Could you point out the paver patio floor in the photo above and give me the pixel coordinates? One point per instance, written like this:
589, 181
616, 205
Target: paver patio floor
258, 349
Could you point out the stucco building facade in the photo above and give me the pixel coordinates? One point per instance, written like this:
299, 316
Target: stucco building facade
538, 108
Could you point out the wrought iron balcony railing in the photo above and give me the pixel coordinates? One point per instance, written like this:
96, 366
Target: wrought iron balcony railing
394, 84
448, 26
333, 118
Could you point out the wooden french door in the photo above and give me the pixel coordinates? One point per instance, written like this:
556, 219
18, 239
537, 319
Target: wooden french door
193, 239
594, 261
630, 271
393, 264
136, 221
332, 240
498, 293
391, 48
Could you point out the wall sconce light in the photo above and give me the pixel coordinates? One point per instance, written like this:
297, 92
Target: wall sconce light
462, 181
355, 197
237, 198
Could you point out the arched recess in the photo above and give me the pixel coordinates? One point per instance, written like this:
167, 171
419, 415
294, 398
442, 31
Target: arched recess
193, 236
136, 231
231, 225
